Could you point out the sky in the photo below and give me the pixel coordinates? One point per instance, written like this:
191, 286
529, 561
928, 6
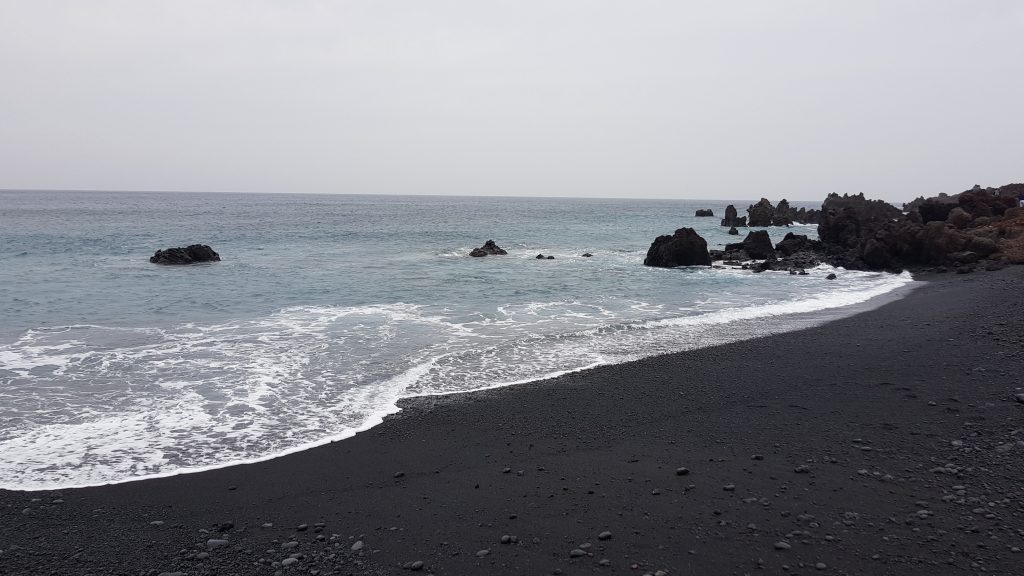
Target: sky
640, 98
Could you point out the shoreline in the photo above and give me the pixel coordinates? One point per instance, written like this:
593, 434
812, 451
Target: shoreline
793, 321
850, 419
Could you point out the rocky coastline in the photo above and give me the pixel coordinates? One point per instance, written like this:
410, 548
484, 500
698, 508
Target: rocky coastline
979, 229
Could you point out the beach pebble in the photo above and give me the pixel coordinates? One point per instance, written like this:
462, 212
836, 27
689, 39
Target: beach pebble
267, 525
399, 474
482, 553
821, 565
506, 539
302, 527
171, 574
289, 561
782, 545
802, 469
682, 471
757, 457
289, 545
157, 523
604, 562
417, 565
576, 553
729, 487
214, 543
357, 546
606, 535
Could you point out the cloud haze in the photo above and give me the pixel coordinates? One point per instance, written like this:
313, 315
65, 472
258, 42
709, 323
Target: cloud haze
558, 98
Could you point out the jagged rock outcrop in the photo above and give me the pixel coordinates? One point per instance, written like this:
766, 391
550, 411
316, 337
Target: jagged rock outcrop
765, 214
732, 219
792, 243
193, 254
761, 214
756, 246
868, 234
733, 231
488, 249
704, 213
683, 248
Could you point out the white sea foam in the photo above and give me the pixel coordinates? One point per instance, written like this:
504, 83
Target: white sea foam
90, 405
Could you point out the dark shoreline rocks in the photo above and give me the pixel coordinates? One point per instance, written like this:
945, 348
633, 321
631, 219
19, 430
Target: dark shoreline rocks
181, 256
683, 248
488, 249
732, 219
704, 213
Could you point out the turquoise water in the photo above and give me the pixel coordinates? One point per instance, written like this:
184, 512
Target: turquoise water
325, 311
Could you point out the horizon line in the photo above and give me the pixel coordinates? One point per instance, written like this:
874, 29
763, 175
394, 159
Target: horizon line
391, 194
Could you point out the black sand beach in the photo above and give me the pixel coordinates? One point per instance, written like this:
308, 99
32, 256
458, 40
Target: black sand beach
890, 442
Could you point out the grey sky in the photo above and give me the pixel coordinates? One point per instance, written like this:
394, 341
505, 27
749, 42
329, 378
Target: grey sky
555, 98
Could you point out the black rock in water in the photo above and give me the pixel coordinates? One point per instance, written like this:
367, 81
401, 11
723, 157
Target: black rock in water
733, 231
757, 245
731, 219
704, 213
761, 214
792, 243
488, 249
684, 248
193, 254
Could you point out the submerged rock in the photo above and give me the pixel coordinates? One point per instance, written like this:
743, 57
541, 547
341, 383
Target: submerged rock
684, 248
193, 254
488, 249
733, 231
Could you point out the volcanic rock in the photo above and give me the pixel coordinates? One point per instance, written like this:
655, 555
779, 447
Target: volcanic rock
488, 249
757, 245
703, 213
684, 248
731, 219
193, 254
761, 214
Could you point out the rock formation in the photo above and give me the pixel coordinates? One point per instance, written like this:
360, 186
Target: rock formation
193, 254
870, 234
684, 248
488, 249
757, 246
704, 213
760, 214
731, 219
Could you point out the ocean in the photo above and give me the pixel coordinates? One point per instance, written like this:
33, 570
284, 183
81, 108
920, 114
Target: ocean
326, 310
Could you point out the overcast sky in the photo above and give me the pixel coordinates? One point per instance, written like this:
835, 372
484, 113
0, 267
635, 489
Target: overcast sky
665, 99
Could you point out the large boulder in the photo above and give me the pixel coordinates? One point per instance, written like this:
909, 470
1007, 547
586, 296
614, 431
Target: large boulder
761, 214
757, 245
488, 249
783, 215
792, 243
684, 248
193, 254
704, 213
847, 219
731, 219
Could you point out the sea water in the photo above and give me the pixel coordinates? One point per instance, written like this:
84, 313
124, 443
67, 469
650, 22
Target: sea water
327, 309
